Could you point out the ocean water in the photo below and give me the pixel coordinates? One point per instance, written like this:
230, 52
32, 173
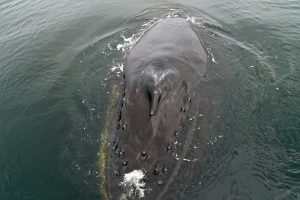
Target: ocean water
58, 57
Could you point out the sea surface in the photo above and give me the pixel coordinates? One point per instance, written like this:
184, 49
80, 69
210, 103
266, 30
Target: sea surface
58, 57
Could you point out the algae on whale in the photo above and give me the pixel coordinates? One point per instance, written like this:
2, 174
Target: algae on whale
104, 138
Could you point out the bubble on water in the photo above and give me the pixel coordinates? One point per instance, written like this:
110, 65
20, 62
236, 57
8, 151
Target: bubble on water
215, 139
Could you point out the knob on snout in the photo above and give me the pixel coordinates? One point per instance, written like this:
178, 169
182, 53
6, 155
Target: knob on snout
157, 84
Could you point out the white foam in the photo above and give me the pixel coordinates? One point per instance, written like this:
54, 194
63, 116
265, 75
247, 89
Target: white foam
118, 67
196, 21
133, 183
212, 57
215, 139
186, 159
129, 42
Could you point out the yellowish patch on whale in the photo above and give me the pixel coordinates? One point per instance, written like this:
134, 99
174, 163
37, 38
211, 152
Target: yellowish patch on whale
104, 138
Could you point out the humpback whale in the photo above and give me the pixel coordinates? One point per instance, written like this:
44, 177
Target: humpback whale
153, 126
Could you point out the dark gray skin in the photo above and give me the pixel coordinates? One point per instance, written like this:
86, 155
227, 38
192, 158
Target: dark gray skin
162, 73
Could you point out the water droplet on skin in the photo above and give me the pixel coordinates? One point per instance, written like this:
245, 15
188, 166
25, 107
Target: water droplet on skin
124, 163
117, 173
192, 118
116, 147
169, 147
165, 170
176, 133
144, 153
156, 171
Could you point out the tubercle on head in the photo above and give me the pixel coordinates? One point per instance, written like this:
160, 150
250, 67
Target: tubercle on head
156, 81
155, 98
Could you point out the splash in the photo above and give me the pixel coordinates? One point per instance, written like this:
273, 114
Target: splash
117, 68
195, 21
129, 42
133, 183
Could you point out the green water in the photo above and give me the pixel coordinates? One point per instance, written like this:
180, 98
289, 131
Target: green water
55, 65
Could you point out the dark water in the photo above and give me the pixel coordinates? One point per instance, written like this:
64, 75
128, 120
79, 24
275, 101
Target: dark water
55, 62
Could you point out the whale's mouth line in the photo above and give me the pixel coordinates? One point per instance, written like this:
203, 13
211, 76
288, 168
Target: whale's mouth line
186, 145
